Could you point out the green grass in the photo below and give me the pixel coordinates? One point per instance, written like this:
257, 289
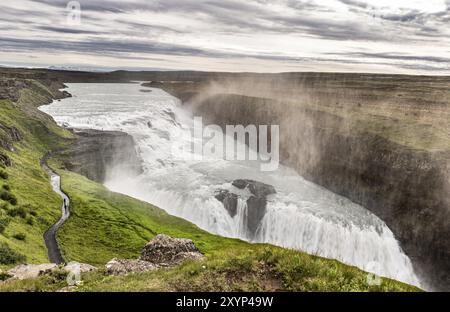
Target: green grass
37, 205
240, 267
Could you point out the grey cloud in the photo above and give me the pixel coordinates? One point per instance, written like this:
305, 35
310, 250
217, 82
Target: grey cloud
393, 56
68, 30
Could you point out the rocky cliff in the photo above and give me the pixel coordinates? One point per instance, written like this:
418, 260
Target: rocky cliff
95, 153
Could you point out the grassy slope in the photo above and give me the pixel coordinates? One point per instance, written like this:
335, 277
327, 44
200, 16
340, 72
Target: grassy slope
29, 183
106, 225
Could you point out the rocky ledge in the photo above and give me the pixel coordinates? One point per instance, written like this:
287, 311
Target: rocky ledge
95, 152
29, 271
162, 251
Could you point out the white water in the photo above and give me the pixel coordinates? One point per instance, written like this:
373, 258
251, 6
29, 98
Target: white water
301, 215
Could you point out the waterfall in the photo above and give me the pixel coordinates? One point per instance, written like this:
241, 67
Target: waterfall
301, 215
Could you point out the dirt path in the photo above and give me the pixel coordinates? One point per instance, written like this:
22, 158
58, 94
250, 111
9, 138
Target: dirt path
54, 253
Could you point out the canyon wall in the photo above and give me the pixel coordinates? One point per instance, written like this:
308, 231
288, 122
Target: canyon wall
93, 153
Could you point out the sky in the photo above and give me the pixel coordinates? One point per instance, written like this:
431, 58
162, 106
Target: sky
382, 36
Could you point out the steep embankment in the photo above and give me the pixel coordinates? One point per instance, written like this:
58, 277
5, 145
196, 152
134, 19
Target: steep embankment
104, 224
377, 142
28, 205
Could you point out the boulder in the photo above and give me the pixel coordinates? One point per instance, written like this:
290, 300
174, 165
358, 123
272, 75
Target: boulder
229, 201
126, 266
258, 189
25, 271
164, 250
79, 267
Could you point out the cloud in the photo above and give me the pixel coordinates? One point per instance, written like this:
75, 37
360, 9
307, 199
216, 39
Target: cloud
341, 33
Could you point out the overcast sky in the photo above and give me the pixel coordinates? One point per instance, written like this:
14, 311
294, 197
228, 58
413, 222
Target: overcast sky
389, 36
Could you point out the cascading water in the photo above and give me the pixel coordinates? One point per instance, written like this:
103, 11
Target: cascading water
300, 215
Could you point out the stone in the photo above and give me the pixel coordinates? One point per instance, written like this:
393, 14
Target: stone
256, 203
126, 266
26, 271
166, 251
229, 201
258, 189
79, 267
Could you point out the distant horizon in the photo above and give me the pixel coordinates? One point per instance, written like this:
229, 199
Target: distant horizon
137, 70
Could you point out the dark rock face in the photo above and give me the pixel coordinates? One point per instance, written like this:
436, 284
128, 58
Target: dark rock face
256, 204
8, 136
94, 153
229, 201
258, 189
164, 250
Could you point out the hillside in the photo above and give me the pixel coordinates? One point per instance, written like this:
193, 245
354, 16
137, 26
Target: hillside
105, 225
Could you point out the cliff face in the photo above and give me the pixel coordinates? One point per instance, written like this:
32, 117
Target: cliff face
95, 153
406, 187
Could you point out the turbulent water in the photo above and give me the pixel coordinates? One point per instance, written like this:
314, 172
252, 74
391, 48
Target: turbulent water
300, 215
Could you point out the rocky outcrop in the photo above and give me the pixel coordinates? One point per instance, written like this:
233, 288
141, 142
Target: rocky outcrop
30, 271
162, 251
94, 153
9, 136
25, 271
126, 266
256, 202
229, 201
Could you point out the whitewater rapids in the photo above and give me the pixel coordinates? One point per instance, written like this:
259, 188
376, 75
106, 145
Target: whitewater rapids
301, 215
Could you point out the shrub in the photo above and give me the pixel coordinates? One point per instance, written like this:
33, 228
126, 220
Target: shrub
20, 236
9, 197
3, 224
9, 256
30, 221
4, 276
57, 275
4, 206
17, 211
6, 187
3, 175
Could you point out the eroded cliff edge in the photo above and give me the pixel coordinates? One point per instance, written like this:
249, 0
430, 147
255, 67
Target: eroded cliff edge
377, 145
95, 154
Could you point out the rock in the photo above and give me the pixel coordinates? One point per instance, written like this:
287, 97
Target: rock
68, 289
79, 267
256, 204
124, 266
94, 152
229, 201
258, 189
25, 271
164, 250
